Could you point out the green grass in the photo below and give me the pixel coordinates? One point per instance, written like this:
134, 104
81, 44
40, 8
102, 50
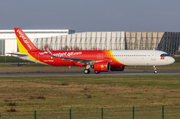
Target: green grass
177, 59
52, 97
10, 59
57, 93
87, 95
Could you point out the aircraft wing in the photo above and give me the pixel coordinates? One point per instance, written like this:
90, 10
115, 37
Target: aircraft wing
84, 61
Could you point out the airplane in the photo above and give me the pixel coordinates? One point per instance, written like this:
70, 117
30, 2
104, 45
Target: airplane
99, 60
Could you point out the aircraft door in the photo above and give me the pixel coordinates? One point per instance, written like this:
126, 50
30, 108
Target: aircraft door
36, 56
153, 55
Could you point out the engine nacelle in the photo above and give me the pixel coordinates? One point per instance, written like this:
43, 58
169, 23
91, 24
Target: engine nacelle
117, 68
101, 66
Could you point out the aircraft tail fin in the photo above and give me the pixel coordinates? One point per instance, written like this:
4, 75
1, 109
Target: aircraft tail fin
24, 43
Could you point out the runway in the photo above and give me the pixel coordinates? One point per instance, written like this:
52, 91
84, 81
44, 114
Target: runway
82, 74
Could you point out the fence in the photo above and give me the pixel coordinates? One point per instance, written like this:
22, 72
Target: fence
150, 112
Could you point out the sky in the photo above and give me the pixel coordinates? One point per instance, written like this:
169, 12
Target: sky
91, 15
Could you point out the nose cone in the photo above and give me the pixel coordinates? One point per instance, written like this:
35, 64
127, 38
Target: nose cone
171, 60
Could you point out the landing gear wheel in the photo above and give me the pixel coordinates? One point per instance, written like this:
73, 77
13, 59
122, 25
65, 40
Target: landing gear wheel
96, 72
86, 71
155, 71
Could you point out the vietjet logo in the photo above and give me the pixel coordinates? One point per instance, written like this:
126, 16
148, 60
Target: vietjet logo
67, 54
24, 38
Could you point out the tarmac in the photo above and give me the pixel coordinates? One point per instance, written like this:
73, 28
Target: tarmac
82, 74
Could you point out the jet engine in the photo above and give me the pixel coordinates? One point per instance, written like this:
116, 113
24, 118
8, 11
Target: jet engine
117, 68
101, 66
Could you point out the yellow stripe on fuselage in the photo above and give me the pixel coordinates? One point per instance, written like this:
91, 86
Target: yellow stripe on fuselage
109, 52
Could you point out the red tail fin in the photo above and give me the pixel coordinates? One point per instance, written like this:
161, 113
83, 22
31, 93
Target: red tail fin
24, 43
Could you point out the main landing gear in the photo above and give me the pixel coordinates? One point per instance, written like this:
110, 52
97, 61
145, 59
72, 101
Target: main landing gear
87, 71
96, 72
155, 70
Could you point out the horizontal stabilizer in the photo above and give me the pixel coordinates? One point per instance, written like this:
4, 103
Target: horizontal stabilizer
18, 54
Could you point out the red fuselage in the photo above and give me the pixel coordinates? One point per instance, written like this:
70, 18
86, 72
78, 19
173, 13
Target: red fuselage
97, 55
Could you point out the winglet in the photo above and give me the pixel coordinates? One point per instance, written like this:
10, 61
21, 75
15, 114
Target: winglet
48, 51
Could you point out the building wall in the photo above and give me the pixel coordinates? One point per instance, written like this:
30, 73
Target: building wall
11, 46
84, 41
170, 42
120, 40
2, 46
143, 40
165, 41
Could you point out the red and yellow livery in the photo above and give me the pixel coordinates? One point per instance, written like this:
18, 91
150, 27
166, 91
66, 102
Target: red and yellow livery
99, 60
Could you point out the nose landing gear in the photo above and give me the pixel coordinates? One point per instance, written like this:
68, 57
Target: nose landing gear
155, 70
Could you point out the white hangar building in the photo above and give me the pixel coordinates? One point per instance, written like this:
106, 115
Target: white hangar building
8, 43
69, 40
120, 40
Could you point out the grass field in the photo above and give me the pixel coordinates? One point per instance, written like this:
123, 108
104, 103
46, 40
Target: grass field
23, 94
57, 93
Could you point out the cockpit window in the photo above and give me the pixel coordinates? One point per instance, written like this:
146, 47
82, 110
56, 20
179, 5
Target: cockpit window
164, 55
